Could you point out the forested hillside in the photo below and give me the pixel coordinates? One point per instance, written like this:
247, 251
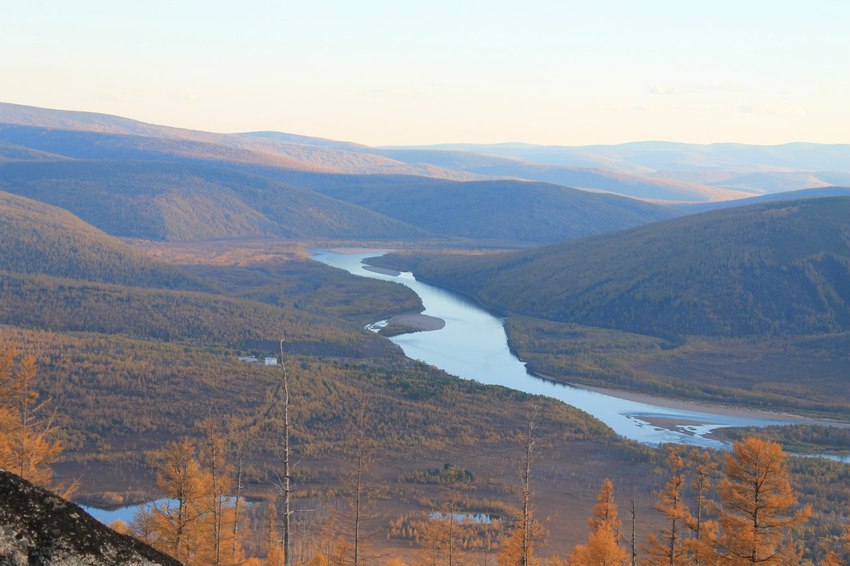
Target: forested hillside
499, 210
40, 239
774, 269
171, 201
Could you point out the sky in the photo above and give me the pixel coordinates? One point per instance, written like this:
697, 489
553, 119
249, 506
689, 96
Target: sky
398, 72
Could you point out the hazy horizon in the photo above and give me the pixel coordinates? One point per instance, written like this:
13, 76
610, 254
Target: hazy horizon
505, 143
381, 73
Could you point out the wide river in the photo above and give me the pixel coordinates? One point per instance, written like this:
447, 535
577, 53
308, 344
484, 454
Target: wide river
473, 345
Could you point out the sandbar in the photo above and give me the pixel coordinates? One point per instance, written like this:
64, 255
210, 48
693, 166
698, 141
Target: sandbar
417, 321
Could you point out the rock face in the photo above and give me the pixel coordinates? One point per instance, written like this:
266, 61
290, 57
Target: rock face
38, 527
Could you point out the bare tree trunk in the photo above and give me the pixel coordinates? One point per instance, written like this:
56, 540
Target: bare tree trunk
451, 533
235, 543
287, 488
634, 537
361, 448
357, 487
526, 491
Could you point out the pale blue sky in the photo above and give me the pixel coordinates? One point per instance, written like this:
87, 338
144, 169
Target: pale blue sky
381, 72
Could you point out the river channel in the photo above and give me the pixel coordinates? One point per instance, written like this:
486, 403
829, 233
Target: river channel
473, 345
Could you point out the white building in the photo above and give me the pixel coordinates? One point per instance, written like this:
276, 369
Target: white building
270, 361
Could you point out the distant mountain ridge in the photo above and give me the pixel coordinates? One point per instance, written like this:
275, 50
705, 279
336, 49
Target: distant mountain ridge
821, 192
724, 167
191, 201
103, 136
627, 184
99, 136
138, 180
651, 156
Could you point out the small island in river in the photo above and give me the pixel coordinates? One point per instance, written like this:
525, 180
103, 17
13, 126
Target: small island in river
411, 322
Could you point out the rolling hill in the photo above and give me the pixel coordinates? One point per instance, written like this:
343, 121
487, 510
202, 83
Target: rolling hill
107, 146
499, 211
173, 201
773, 269
180, 202
36, 238
86, 135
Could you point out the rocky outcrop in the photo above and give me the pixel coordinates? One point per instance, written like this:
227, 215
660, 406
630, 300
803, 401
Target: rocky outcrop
38, 527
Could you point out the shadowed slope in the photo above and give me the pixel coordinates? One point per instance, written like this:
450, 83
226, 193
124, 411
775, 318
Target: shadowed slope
774, 269
171, 201
516, 211
40, 239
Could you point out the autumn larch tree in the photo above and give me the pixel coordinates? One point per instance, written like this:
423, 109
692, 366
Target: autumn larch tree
440, 534
178, 527
272, 544
756, 517
702, 543
603, 545
669, 546
214, 460
27, 437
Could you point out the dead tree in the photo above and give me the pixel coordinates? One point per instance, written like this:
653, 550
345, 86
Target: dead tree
526, 490
286, 491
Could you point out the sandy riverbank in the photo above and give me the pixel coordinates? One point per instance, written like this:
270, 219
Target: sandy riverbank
706, 407
416, 321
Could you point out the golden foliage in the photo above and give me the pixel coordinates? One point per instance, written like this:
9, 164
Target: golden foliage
195, 523
756, 497
28, 443
603, 547
670, 546
511, 551
605, 511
